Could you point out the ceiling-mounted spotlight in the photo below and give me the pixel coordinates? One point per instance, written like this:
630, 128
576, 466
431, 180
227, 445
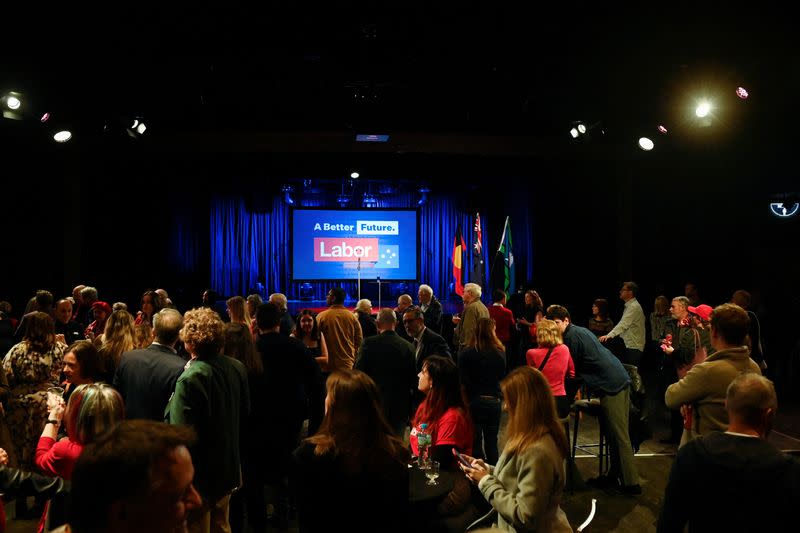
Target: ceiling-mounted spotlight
646, 144
703, 109
12, 105
62, 136
136, 127
662, 129
573, 133
741, 92
581, 128
354, 175
45, 118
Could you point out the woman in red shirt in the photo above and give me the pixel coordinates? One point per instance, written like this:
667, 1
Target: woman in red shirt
91, 410
558, 365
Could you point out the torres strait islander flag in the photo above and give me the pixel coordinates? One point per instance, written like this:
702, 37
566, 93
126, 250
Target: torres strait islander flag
458, 254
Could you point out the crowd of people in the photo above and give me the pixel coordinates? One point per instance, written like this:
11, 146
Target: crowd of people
172, 421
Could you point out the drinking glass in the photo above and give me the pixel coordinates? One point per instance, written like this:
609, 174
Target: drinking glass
432, 472
55, 396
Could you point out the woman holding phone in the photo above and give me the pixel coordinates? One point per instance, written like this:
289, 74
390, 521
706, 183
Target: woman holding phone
526, 485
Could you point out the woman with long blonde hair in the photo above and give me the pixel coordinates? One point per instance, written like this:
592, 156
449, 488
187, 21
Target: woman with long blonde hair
119, 337
526, 485
237, 311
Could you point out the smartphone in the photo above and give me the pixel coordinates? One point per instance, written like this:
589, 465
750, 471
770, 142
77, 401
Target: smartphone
462, 459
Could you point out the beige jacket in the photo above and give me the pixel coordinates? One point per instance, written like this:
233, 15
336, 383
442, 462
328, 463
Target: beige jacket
526, 489
705, 387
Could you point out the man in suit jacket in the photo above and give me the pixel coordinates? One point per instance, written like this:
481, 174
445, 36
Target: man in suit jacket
389, 360
146, 378
426, 342
431, 308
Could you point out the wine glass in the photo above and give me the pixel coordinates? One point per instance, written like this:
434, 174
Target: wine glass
432, 472
55, 396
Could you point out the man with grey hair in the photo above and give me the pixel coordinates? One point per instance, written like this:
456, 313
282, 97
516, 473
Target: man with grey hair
85, 314
431, 308
145, 378
736, 480
473, 310
287, 322
389, 361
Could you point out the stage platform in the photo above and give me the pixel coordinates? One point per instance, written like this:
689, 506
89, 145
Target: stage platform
295, 306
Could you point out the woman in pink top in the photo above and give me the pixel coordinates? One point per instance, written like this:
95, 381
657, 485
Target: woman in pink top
557, 366
91, 410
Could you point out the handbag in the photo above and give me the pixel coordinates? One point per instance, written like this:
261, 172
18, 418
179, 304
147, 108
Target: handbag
700, 355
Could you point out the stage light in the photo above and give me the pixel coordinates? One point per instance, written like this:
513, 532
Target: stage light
354, 175
741, 92
423, 191
581, 129
12, 105
370, 200
574, 133
136, 127
45, 118
646, 144
62, 136
703, 109
287, 192
662, 129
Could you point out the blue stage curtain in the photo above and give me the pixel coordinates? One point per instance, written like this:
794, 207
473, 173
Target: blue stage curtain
249, 247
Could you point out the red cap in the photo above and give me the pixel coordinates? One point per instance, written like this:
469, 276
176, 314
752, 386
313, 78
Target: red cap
102, 306
702, 310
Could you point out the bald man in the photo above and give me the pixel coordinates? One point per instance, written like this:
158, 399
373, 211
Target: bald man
736, 480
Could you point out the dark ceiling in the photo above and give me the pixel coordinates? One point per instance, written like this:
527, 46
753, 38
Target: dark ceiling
439, 77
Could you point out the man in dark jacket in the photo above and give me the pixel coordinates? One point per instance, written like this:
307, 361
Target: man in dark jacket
389, 360
146, 378
736, 480
425, 341
605, 377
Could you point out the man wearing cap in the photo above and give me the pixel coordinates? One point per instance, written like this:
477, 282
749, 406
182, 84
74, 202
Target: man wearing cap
630, 326
101, 312
701, 393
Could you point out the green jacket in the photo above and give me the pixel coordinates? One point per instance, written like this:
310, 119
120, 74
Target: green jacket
212, 396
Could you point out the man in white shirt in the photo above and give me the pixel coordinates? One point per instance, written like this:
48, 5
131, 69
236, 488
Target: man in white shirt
630, 326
